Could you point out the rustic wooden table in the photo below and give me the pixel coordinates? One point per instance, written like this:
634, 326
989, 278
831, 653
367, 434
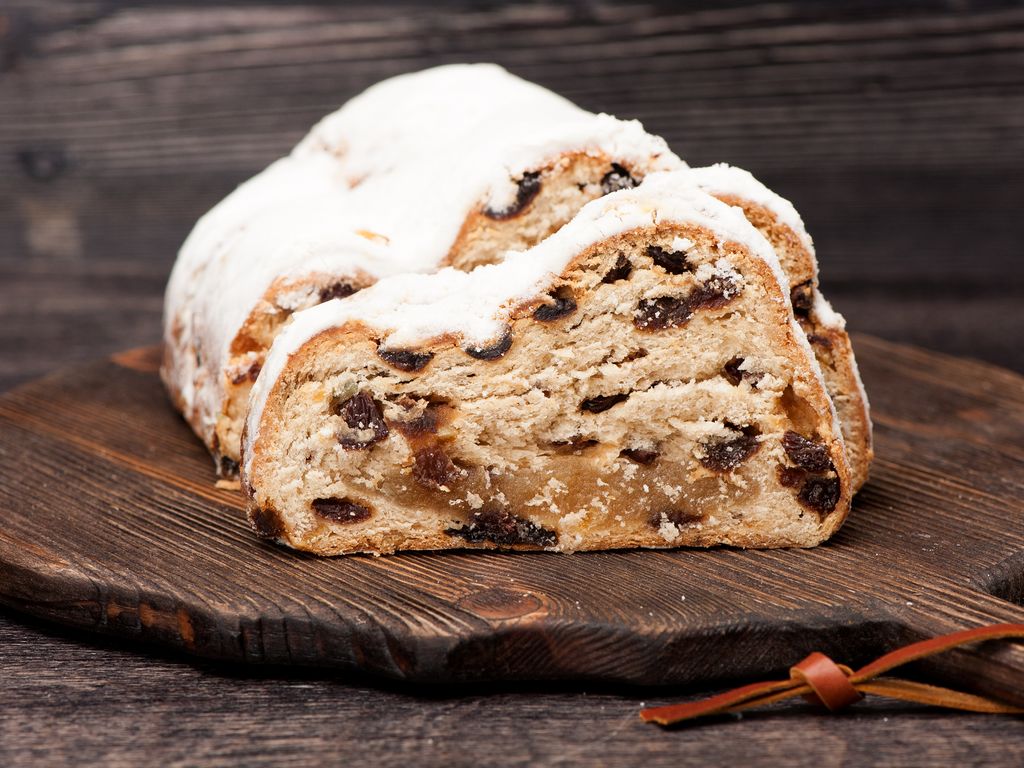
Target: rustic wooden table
899, 133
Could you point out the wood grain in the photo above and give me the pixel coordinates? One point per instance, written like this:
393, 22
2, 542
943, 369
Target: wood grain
112, 523
894, 128
92, 701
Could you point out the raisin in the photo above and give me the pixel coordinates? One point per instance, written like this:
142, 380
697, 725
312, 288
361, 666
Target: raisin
640, 455
341, 510
362, 412
663, 312
227, 467
432, 467
811, 455
266, 523
602, 402
718, 291
673, 262
791, 477
427, 423
529, 187
620, 271
727, 453
732, 371
405, 359
338, 290
574, 444
563, 304
617, 178
249, 374
501, 527
820, 494
494, 351
820, 341
802, 297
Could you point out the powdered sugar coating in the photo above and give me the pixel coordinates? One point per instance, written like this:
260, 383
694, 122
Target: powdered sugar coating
380, 187
725, 179
410, 310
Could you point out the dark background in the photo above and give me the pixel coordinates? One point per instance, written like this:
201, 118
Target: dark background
896, 128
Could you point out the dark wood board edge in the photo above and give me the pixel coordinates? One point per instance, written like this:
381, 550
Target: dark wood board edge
155, 620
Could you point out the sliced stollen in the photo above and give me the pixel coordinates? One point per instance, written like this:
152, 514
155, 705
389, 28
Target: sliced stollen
584, 394
777, 219
453, 165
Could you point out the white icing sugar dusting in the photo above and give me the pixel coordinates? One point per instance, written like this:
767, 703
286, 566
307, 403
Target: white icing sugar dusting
824, 313
724, 179
382, 186
411, 309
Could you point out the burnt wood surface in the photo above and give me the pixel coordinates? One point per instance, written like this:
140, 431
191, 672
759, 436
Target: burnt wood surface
895, 128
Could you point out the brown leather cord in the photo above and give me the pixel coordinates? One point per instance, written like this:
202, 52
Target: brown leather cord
835, 686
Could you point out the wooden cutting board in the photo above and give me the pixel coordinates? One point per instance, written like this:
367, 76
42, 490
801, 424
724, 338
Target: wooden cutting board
110, 521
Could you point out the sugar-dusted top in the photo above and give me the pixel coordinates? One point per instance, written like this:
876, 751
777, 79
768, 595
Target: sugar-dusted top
382, 186
411, 309
724, 179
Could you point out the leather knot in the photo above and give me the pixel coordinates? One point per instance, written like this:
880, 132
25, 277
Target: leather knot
822, 681
829, 681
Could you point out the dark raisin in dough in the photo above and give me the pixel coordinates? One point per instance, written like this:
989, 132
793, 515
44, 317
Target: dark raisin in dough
427, 423
563, 304
727, 453
338, 290
732, 371
620, 271
501, 527
494, 351
673, 262
577, 443
361, 411
341, 510
617, 178
819, 341
640, 455
802, 297
602, 402
529, 187
675, 311
809, 454
714, 294
820, 494
405, 359
249, 374
791, 477
433, 468
662, 312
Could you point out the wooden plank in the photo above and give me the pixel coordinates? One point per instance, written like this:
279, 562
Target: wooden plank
152, 89
94, 701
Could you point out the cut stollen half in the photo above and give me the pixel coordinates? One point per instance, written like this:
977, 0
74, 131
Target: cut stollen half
453, 165
777, 219
579, 395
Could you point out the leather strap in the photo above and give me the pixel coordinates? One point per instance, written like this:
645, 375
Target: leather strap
829, 682
836, 686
